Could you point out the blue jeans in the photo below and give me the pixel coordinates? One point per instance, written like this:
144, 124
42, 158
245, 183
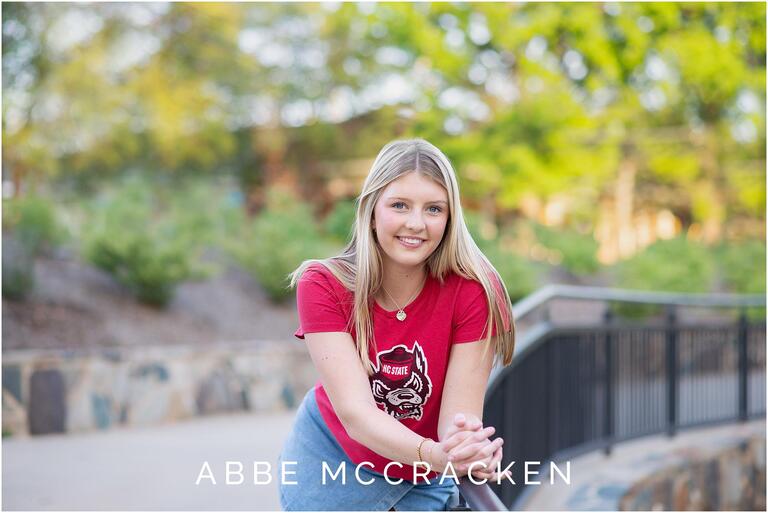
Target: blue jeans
311, 442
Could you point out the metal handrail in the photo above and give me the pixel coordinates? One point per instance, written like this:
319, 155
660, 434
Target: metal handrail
530, 303
544, 335
481, 497
549, 292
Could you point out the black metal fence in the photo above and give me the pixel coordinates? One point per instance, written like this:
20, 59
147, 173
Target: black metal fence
577, 388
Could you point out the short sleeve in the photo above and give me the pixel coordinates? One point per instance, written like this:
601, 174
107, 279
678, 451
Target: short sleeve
470, 313
318, 304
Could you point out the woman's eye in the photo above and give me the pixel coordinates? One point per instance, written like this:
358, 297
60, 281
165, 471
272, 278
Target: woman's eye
435, 210
398, 204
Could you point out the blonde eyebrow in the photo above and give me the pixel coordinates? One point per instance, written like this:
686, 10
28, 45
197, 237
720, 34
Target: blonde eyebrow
406, 199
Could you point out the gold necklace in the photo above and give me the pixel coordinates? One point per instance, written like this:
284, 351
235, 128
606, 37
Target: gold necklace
401, 315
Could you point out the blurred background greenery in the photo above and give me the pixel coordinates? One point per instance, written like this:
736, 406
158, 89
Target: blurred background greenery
614, 144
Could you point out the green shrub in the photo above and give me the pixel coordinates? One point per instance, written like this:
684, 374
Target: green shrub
274, 243
204, 212
675, 265
18, 269
743, 266
520, 276
232, 220
578, 251
474, 222
338, 224
32, 220
142, 244
30, 229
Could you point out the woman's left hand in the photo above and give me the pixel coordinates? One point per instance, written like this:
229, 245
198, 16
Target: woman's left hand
467, 442
482, 454
490, 472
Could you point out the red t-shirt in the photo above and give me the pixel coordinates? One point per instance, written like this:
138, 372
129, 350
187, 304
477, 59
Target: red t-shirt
410, 357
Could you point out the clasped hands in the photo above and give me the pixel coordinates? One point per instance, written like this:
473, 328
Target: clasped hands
467, 442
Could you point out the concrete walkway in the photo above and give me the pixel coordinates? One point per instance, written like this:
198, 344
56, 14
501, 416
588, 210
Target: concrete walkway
155, 468
152, 468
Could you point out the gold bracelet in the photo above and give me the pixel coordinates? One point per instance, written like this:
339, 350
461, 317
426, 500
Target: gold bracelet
419, 448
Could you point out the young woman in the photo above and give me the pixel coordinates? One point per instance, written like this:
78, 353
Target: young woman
403, 328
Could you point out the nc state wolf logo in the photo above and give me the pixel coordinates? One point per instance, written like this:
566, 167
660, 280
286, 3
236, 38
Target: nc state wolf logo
401, 382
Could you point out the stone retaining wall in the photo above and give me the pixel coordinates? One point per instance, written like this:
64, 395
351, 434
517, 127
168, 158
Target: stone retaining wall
66, 391
731, 480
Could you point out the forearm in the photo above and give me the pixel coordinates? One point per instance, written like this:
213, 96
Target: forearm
446, 421
386, 436
465, 384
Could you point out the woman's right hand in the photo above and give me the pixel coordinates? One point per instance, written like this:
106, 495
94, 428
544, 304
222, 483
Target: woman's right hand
465, 443
467, 448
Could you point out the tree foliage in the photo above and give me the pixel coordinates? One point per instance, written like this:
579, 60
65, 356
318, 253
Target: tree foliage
529, 100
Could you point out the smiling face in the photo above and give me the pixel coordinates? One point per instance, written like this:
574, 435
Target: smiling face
410, 218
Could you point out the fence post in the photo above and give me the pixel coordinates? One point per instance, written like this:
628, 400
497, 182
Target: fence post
671, 370
743, 367
608, 424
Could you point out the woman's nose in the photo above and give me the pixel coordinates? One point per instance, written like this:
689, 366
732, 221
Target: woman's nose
415, 222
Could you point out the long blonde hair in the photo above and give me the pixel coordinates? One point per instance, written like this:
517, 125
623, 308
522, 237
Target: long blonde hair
359, 266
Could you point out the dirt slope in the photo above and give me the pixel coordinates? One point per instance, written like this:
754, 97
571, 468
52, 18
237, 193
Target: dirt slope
75, 306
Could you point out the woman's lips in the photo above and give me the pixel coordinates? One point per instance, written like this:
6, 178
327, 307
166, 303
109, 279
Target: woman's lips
409, 242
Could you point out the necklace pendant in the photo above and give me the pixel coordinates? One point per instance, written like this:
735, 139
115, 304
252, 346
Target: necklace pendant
400, 315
